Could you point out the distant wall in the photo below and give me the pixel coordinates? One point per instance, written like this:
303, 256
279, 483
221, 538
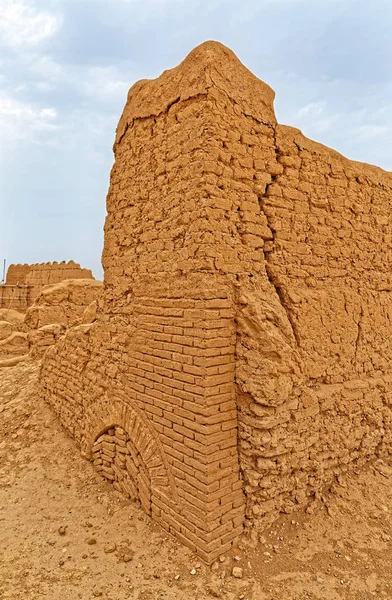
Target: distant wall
24, 282
47, 273
16, 274
17, 297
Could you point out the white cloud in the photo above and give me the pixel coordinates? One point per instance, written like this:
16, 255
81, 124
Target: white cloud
312, 109
49, 113
19, 120
315, 118
46, 67
22, 23
105, 83
374, 132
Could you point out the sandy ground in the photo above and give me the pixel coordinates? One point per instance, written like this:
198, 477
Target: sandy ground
66, 534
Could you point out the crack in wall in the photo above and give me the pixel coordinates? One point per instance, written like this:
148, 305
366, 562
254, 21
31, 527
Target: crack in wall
271, 277
359, 333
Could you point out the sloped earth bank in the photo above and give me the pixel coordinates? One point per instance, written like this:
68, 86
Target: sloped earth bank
66, 534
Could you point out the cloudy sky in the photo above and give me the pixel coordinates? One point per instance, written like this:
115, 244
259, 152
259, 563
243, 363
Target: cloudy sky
66, 66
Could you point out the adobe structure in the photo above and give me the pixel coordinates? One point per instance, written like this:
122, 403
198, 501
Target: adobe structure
24, 282
239, 361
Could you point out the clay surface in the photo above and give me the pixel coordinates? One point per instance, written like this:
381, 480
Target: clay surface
56, 308
14, 317
62, 303
242, 326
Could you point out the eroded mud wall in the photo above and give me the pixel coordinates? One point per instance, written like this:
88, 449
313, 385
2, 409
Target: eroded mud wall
239, 258
329, 261
15, 297
24, 282
48, 273
16, 274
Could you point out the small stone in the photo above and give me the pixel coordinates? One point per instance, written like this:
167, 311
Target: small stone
97, 594
127, 556
84, 555
193, 572
109, 548
319, 580
62, 530
61, 562
177, 577
222, 559
237, 558
213, 589
237, 572
91, 541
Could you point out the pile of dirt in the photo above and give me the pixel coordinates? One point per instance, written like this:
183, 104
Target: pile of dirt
66, 533
57, 307
63, 303
14, 344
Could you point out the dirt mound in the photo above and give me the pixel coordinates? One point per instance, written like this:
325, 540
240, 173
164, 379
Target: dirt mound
6, 329
62, 303
14, 317
15, 344
40, 339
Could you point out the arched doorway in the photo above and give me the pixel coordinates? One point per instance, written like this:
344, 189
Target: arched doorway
117, 458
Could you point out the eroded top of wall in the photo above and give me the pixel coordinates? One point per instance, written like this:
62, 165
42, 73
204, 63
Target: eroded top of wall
205, 181
209, 65
45, 273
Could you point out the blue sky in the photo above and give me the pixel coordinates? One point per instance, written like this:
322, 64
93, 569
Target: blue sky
66, 67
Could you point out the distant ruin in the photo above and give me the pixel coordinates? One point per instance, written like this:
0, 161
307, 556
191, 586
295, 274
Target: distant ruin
239, 361
24, 282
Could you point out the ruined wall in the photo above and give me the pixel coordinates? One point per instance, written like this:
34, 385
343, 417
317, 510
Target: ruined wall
16, 274
24, 282
48, 273
246, 299
329, 263
161, 372
63, 303
15, 297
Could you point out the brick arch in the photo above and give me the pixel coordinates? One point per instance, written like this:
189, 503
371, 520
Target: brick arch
141, 471
116, 457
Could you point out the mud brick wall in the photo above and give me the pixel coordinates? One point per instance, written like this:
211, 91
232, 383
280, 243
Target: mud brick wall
224, 227
16, 297
24, 282
323, 405
157, 411
16, 274
48, 273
